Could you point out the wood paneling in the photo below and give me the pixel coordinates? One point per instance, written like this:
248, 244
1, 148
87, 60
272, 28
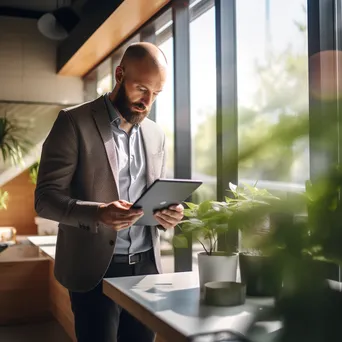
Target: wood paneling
20, 213
60, 304
123, 22
24, 286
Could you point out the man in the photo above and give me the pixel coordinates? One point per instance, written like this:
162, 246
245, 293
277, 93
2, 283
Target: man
96, 161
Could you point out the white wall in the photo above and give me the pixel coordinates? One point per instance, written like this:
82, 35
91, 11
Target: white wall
28, 66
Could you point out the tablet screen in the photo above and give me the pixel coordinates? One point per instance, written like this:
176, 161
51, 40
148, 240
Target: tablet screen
162, 194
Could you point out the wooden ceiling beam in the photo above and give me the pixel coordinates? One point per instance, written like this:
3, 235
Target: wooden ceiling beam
122, 23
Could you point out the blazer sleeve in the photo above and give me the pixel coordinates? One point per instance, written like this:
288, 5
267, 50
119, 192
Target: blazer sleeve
57, 166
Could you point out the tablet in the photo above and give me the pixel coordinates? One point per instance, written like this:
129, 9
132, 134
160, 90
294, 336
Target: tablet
162, 194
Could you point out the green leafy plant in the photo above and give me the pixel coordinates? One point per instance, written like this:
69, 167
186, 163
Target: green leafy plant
3, 199
34, 172
207, 220
12, 144
12, 147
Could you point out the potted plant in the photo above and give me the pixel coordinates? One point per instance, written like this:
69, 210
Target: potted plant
12, 148
208, 220
322, 199
258, 269
260, 273
205, 222
12, 144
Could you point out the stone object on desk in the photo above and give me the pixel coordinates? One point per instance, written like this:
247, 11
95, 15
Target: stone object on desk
224, 293
8, 235
45, 226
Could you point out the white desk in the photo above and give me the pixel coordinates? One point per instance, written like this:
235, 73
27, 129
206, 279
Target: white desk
170, 305
43, 240
46, 243
49, 251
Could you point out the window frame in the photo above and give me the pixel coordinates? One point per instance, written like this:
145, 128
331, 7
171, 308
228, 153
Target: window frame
322, 15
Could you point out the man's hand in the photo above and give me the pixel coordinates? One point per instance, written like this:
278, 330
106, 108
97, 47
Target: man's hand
169, 218
118, 214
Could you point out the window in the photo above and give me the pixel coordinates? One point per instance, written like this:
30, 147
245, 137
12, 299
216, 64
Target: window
203, 98
104, 78
164, 116
89, 85
165, 100
203, 104
272, 71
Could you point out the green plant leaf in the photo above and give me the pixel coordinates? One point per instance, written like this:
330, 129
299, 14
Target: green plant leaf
221, 228
204, 207
190, 213
233, 187
191, 225
180, 241
3, 200
13, 145
191, 206
34, 172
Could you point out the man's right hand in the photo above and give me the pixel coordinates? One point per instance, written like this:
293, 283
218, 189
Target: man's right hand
118, 214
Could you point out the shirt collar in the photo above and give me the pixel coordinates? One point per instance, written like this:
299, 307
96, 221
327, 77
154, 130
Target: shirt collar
114, 114
112, 111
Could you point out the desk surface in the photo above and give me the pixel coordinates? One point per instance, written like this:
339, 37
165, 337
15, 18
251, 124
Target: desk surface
43, 240
170, 304
21, 253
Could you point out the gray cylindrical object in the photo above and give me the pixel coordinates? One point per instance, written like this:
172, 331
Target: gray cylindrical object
224, 293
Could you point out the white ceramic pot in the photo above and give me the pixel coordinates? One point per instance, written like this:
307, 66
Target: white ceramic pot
45, 226
217, 267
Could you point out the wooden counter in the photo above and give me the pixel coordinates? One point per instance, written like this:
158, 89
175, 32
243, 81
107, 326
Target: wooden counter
59, 302
29, 291
24, 285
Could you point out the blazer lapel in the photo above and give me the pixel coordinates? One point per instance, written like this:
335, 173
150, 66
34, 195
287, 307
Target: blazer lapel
149, 151
102, 121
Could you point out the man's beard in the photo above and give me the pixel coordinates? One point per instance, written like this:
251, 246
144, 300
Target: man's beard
124, 106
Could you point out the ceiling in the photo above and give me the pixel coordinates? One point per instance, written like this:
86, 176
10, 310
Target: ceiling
31, 8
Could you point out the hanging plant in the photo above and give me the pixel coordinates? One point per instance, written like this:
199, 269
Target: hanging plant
13, 145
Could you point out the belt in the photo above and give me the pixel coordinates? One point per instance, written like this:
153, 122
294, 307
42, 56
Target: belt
132, 259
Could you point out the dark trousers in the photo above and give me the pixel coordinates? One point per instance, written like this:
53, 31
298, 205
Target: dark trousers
99, 319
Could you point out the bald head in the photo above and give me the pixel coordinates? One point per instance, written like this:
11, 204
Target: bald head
140, 77
144, 51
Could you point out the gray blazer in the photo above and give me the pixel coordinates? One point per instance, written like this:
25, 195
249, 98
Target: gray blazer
77, 173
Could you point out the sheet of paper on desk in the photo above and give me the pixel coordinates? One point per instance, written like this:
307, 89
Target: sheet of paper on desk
210, 319
169, 281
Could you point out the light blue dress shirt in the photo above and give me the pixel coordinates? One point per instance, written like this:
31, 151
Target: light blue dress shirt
130, 153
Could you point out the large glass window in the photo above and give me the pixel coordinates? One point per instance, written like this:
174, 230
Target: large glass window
272, 71
104, 77
165, 119
89, 86
165, 100
203, 98
203, 104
